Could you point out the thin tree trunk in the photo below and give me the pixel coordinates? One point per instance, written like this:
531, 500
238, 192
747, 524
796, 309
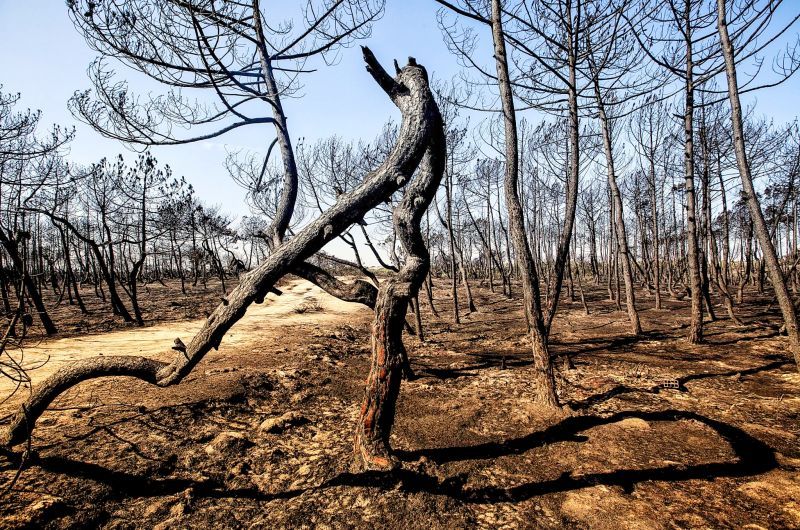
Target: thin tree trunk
695, 279
760, 225
619, 217
451, 237
12, 248
543, 367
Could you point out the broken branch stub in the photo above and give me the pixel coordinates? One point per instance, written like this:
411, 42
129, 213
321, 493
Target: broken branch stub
410, 92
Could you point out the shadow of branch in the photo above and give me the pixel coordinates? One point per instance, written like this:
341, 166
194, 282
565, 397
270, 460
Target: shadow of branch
752, 457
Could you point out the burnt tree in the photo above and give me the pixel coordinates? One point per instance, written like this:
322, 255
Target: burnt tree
420, 136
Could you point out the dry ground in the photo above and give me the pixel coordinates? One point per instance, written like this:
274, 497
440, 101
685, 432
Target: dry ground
259, 436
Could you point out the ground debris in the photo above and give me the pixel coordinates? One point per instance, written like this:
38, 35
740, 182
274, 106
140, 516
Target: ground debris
228, 443
281, 423
269, 445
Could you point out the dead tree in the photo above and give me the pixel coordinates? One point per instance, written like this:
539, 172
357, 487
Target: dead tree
395, 294
648, 130
420, 133
26, 163
543, 365
696, 325
688, 58
761, 16
459, 153
225, 47
606, 127
142, 189
615, 68
545, 42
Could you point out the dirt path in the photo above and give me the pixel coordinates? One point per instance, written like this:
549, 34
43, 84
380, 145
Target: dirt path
49, 355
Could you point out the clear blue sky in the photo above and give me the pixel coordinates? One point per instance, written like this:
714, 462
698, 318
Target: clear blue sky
45, 58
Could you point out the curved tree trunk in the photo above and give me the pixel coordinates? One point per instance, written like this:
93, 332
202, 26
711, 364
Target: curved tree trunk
288, 197
420, 121
105, 270
394, 295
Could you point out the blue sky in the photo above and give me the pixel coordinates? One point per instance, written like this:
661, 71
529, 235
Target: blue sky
46, 59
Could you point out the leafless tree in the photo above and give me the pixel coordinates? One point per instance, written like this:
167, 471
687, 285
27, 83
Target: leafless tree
750, 31
229, 49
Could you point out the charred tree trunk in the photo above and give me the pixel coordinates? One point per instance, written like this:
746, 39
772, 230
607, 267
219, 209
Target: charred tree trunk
70, 276
453, 262
420, 131
571, 188
759, 224
106, 270
695, 277
619, 217
656, 234
288, 197
11, 245
542, 362
395, 294
465, 280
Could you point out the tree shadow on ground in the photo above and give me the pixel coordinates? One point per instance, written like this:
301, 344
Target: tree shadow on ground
123, 484
486, 360
610, 344
778, 363
753, 457
739, 340
626, 389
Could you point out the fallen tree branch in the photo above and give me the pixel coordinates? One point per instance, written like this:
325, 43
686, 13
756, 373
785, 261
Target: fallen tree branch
360, 291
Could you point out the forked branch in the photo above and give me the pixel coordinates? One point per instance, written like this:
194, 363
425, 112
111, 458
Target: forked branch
410, 92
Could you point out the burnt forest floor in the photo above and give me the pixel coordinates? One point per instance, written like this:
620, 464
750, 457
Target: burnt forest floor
160, 302
260, 435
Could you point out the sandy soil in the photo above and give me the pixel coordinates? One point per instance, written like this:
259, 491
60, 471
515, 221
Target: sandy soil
46, 355
260, 435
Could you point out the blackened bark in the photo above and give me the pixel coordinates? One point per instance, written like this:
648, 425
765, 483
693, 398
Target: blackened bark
106, 366
286, 203
571, 192
359, 291
420, 122
655, 231
619, 218
394, 294
11, 245
759, 224
695, 279
531, 297
70, 279
106, 271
